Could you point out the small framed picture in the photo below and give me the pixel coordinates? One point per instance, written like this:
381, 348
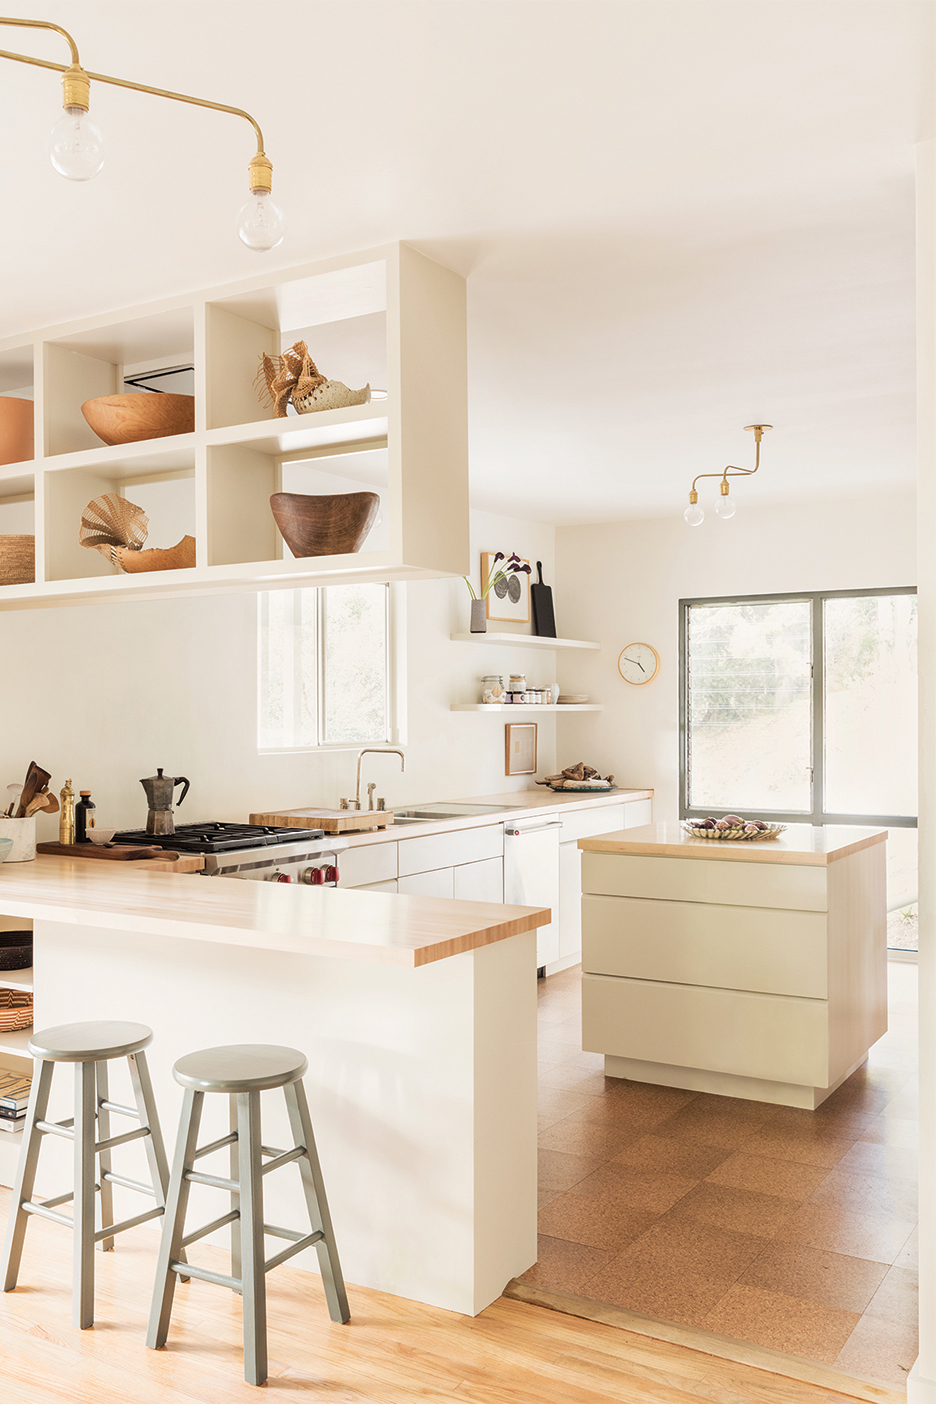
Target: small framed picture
510, 598
520, 748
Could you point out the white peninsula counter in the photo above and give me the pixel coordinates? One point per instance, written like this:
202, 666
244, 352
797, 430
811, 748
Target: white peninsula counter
752, 970
418, 1017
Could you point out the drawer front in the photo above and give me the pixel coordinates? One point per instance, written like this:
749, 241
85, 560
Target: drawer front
439, 883
585, 823
789, 885
480, 882
638, 812
389, 886
371, 863
733, 1031
419, 855
769, 949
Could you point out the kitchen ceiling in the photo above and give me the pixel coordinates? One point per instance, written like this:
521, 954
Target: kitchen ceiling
677, 217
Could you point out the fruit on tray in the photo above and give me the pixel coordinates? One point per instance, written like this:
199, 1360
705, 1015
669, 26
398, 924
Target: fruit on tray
730, 821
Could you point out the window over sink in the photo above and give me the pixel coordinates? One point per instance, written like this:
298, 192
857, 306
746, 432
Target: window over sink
324, 667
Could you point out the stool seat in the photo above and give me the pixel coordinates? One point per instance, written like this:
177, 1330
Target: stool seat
240, 1067
93, 1041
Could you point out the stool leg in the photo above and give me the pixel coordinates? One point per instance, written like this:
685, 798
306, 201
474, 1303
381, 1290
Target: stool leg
253, 1255
235, 1196
314, 1188
83, 1258
104, 1130
173, 1224
26, 1172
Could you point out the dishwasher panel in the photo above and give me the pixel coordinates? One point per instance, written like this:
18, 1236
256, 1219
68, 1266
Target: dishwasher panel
531, 877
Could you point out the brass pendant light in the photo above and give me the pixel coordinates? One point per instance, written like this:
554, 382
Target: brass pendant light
725, 506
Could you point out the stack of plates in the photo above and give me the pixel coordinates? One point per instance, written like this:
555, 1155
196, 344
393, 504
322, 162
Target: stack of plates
16, 1010
572, 699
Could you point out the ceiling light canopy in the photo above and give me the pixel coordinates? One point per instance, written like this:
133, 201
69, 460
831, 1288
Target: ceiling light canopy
725, 506
76, 146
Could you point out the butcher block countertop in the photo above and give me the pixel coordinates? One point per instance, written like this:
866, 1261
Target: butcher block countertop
805, 845
321, 921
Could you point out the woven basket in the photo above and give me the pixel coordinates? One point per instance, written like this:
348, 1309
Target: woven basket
761, 836
16, 1010
17, 560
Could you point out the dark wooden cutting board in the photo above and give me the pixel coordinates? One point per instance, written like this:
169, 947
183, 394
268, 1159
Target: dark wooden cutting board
544, 619
120, 852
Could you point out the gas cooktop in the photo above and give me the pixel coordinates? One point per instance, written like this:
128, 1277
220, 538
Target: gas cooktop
217, 838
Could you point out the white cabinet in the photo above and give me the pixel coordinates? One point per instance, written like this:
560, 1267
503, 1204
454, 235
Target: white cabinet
570, 900
419, 855
440, 882
367, 864
531, 876
480, 882
389, 886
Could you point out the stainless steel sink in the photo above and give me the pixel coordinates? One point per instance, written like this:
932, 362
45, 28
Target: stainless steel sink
426, 813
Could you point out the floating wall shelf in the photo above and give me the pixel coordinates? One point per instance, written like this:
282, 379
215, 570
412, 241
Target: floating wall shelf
522, 640
524, 710
388, 316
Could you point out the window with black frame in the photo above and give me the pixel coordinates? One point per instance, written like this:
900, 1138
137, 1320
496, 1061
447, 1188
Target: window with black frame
802, 708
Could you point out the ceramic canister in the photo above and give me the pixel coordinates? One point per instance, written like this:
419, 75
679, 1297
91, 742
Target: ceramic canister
23, 834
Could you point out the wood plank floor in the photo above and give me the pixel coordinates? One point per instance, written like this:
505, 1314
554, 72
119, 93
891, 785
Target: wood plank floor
391, 1351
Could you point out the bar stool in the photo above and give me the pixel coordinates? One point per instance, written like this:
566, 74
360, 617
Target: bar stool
243, 1071
90, 1046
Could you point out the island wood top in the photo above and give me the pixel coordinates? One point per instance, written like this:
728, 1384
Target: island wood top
383, 928
806, 845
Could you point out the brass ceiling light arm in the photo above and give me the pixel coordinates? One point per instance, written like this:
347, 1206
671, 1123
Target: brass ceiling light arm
731, 471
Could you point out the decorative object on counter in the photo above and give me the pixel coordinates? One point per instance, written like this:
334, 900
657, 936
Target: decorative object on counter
333, 821
117, 529
520, 748
67, 816
159, 790
572, 699
16, 950
16, 1010
16, 429
492, 688
293, 378
101, 836
579, 777
128, 419
22, 832
478, 617
84, 817
724, 507
17, 558
507, 592
734, 828
638, 663
544, 618
122, 852
324, 524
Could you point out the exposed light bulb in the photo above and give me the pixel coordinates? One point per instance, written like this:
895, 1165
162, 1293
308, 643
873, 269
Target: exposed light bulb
75, 145
725, 508
694, 514
261, 224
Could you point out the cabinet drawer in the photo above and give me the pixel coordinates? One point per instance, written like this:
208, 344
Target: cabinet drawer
585, 823
752, 1035
419, 855
768, 949
371, 863
638, 812
439, 883
706, 880
389, 886
480, 882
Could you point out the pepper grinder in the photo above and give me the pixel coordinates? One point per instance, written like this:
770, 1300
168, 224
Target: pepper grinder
67, 815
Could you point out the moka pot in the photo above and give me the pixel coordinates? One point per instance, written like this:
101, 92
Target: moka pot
159, 791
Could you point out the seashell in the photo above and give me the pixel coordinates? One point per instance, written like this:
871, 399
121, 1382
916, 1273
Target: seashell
722, 824
752, 828
733, 819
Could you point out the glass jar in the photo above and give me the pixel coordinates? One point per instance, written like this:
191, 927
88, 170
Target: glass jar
492, 688
517, 682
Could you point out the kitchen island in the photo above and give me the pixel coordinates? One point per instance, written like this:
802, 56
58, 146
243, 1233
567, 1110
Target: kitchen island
755, 970
418, 1018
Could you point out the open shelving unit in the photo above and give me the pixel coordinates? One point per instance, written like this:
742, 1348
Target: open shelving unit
390, 317
13, 1047
522, 710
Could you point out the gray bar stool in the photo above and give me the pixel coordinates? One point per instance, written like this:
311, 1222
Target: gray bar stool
243, 1071
89, 1046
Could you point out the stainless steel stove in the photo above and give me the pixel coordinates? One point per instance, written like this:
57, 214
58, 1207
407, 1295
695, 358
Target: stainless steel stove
259, 852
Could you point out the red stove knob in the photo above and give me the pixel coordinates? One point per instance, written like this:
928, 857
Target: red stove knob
331, 873
282, 877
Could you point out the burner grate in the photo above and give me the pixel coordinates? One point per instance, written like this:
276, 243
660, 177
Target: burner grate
217, 837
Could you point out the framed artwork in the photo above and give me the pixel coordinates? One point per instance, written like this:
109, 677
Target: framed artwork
509, 599
520, 748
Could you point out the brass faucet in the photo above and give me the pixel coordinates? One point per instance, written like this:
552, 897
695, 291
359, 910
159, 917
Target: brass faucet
376, 751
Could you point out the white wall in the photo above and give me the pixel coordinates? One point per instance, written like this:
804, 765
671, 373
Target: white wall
621, 582
106, 693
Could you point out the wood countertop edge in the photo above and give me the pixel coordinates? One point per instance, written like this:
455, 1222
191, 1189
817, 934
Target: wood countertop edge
764, 852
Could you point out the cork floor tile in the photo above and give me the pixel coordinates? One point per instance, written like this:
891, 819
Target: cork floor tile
779, 1144
893, 1162
897, 1298
883, 1350
644, 1096
816, 1275
560, 1169
595, 1138
600, 1223
873, 1194
782, 1323
841, 1125
685, 1301
877, 1237
564, 1267
652, 1152
552, 1102
909, 1255
784, 1179
653, 1193
893, 1131
564, 1078
672, 1248
743, 1210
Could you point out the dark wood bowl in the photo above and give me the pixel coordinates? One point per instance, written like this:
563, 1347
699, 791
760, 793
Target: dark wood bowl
126, 419
324, 524
16, 950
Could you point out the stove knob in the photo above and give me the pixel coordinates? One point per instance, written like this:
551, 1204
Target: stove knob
331, 873
313, 876
279, 877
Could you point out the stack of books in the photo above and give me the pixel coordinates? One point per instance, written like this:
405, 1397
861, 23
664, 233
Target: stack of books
14, 1099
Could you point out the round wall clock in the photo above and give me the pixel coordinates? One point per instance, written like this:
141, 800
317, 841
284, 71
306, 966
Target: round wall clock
639, 663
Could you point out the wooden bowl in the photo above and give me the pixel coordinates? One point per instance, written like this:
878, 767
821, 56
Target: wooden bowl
16, 430
17, 560
126, 419
324, 524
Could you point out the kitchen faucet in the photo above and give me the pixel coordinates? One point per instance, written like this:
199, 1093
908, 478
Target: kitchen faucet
376, 751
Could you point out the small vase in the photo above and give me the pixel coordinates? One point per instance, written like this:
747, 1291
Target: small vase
478, 619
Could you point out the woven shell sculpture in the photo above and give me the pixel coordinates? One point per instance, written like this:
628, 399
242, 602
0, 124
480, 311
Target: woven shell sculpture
118, 528
294, 376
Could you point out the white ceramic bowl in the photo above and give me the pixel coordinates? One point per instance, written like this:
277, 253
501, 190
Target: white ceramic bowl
101, 836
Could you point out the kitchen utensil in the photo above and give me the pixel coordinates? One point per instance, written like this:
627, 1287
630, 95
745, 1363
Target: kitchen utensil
14, 790
127, 853
333, 821
17, 557
126, 419
101, 836
16, 429
36, 779
544, 618
35, 805
326, 524
16, 950
51, 805
159, 793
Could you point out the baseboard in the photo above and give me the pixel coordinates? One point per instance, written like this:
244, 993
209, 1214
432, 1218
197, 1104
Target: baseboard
773, 1362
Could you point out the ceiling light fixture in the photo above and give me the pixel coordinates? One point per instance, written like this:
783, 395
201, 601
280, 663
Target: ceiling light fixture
76, 147
725, 506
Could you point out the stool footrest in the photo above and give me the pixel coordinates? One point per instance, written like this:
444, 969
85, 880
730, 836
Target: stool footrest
129, 1184
302, 1241
216, 1145
121, 1140
210, 1228
216, 1181
58, 1128
203, 1275
29, 1206
59, 1199
282, 1158
111, 1229
121, 1110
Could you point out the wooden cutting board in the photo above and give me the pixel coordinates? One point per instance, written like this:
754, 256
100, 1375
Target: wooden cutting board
333, 821
122, 852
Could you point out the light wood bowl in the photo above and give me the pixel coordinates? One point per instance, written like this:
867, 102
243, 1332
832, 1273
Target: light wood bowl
178, 557
17, 560
16, 430
325, 524
126, 419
